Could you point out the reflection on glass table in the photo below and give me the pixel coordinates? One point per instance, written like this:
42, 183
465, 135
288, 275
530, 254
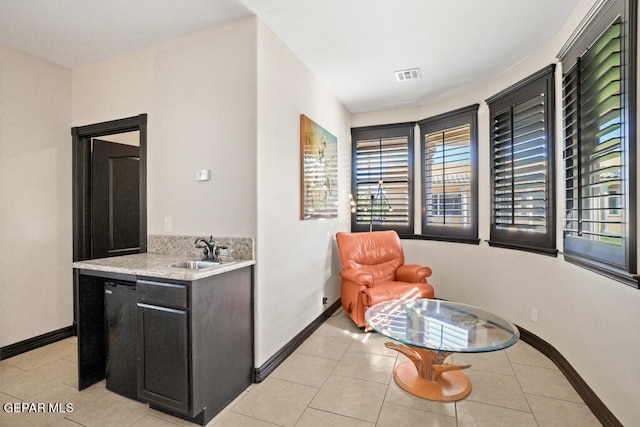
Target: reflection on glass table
427, 331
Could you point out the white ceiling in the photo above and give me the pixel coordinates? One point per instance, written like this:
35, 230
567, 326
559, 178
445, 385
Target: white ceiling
353, 46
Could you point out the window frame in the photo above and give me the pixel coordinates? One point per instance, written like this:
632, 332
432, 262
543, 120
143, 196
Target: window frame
462, 116
519, 93
620, 265
406, 129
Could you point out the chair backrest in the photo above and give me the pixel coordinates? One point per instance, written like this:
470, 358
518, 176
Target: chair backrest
378, 253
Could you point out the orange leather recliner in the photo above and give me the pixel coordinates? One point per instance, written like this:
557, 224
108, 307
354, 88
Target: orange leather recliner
373, 271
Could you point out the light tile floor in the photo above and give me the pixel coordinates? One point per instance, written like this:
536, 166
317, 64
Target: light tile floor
340, 376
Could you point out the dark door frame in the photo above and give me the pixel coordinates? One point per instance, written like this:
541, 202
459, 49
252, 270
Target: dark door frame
81, 151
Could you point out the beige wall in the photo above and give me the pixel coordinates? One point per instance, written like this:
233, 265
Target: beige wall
127, 138
199, 92
35, 197
297, 264
590, 319
229, 99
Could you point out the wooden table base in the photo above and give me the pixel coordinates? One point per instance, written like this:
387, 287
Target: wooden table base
427, 376
452, 386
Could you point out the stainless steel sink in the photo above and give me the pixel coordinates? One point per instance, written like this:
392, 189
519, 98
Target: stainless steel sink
194, 265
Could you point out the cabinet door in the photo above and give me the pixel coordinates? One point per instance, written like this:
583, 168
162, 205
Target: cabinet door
163, 356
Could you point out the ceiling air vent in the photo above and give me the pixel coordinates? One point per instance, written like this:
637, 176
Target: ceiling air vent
411, 74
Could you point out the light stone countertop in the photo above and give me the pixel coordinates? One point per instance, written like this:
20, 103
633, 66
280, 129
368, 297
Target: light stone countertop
157, 265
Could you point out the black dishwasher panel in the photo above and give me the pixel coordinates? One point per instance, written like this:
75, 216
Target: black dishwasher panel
121, 333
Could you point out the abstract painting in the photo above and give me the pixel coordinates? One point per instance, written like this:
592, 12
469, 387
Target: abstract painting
319, 164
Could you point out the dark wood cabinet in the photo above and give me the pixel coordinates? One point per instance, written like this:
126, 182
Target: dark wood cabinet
163, 356
194, 341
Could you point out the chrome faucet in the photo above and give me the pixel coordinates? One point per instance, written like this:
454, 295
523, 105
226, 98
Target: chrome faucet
209, 249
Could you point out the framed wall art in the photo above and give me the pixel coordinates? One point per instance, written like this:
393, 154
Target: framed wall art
319, 171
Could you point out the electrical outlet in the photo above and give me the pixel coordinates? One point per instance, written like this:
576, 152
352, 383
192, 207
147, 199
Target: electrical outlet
167, 223
534, 314
325, 300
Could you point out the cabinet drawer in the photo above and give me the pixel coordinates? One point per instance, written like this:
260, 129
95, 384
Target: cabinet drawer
163, 294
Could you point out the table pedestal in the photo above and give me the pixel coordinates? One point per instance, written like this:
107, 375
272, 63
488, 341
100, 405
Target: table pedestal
427, 376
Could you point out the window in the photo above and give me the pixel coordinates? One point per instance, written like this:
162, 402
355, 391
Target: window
449, 146
522, 165
443, 204
613, 202
382, 178
599, 77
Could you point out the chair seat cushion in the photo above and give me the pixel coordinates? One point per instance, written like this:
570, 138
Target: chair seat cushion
385, 291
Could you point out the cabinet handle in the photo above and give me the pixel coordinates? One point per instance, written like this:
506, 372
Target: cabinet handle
155, 307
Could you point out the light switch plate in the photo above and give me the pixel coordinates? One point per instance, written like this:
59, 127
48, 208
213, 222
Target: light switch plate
203, 175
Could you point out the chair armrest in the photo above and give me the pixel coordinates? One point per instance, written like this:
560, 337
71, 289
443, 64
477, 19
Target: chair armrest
359, 277
412, 273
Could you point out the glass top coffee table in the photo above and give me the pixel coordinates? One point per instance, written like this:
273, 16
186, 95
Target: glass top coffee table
427, 331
